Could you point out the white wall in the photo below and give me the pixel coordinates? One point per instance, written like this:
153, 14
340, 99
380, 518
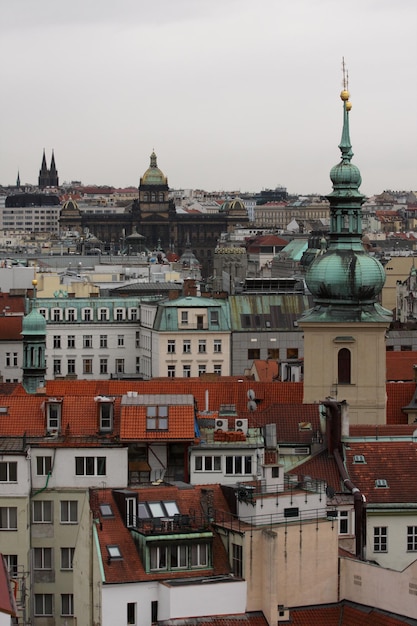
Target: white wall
207, 598
63, 470
116, 597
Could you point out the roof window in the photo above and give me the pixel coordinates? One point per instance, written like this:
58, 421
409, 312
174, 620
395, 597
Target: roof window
114, 552
381, 483
106, 510
359, 458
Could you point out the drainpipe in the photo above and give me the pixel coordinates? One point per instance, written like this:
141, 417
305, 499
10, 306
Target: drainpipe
334, 418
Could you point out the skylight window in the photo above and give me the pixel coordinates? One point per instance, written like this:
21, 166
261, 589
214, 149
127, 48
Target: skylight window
106, 510
167, 508
114, 552
359, 458
381, 482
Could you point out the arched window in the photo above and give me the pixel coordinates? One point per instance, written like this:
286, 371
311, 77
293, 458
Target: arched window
153, 196
161, 196
145, 196
343, 366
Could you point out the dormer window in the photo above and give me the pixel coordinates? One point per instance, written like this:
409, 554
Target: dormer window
184, 317
104, 315
56, 315
87, 315
71, 315
53, 415
106, 416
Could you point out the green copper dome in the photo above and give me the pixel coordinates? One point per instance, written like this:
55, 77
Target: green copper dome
345, 176
345, 276
153, 175
33, 324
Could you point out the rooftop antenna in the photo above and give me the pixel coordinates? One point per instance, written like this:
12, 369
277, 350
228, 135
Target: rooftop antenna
345, 76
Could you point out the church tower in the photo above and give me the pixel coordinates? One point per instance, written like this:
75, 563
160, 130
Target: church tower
43, 179
344, 333
53, 173
34, 347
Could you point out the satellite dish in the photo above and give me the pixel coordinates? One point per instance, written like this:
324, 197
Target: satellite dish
330, 492
252, 406
251, 395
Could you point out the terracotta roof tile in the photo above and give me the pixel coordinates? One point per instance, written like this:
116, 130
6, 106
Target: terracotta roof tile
320, 467
112, 531
343, 614
400, 365
383, 460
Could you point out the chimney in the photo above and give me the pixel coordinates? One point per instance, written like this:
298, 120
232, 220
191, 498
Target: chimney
189, 287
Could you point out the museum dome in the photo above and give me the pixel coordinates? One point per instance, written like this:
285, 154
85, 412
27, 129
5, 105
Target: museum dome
153, 175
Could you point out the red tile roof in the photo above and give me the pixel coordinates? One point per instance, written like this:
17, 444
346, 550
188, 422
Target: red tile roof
320, 467
249, 619
382, 460
399, 395
112, 531
400, 365
11, 328
344, 614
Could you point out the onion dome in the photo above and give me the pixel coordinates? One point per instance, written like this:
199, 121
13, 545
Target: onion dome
153, 175
346, 275
34, 324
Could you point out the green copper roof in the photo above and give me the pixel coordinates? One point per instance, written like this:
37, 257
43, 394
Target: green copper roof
344, 279
153, 175
34, 324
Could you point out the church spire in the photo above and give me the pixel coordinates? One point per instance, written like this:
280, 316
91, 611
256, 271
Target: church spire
345, 275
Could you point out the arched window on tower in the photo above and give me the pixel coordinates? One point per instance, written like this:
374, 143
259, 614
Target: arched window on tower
161, 196
343, 366
153, 196
145, 196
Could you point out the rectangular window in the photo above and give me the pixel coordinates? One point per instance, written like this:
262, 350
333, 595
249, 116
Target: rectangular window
71, 342
202, 345
8, 471
11, 359
202, 369
43, 465
8, 518
380, 539
292, 353
239, 464
134, 315
411, 538
184, 317
120, 341
131, 613
43, 603
67, 558
87, 317
57, 367
42, 558
67, 604
171, 346
104, 366
186, 371
217, 346
104, 315
273, 353
199, 555
208, 463
120, 366
87, 366
343, 522
119, 315
69, 511
237, 560
90, 465
157, 418
137, 338
186, 346
71, 315
57, 315
42, 512
57, 342
71, 366
137, 365
214, 318
171, 371
106, 416
87, 341
103, 341
158, 557
253, 354
217, 369
11, 564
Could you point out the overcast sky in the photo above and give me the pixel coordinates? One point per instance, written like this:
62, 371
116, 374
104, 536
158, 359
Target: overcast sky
232, 94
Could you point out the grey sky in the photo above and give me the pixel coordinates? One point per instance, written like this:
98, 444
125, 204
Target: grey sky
231, 94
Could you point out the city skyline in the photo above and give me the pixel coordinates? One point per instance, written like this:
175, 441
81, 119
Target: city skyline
231, 95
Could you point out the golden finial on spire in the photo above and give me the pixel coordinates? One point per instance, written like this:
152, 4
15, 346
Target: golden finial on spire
345, 92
